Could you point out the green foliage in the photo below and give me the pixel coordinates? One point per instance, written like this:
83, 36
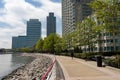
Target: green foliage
85, 33
88, 56
54, 43
89, 32
107, 12
49, 43
60, 44
26, 49
39, 45
114, 62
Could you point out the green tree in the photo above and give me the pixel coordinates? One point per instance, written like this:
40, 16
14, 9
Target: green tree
49, 43
107, 13
84, 35
89, 33
59, 44
54, 43
39, 45
69, 40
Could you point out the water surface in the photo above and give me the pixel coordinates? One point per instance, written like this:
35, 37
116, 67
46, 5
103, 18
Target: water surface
10, 62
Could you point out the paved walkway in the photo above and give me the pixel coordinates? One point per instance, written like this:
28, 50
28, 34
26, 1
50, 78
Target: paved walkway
78, 69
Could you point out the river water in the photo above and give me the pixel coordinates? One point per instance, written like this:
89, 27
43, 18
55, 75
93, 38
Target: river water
10, 62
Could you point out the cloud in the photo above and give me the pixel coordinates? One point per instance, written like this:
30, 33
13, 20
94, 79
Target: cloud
15, 13
34, 2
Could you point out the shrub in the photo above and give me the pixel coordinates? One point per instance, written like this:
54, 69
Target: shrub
114, 62
88, 56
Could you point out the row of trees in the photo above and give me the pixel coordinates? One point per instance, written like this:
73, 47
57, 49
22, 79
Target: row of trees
52, 43
105, 19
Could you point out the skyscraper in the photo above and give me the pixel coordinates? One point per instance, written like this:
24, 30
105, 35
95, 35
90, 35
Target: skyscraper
33, 34
33, 31
51, 24
73, 11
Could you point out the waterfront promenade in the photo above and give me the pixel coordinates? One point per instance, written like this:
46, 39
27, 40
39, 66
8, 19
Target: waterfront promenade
78, 69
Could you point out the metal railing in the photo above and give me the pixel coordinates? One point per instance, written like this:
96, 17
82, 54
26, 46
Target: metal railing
44, 77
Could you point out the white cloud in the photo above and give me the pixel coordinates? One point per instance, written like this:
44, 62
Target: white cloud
16, 11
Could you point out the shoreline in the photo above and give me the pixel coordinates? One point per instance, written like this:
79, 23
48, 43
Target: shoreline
31, 71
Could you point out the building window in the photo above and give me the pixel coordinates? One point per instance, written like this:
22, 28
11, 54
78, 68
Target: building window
108, 48
117, 40
105, 49
101, 49
78, 0
118, 48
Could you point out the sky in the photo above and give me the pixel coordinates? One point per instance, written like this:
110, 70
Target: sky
14, 15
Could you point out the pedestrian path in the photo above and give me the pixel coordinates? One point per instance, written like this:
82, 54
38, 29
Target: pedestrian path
78, 69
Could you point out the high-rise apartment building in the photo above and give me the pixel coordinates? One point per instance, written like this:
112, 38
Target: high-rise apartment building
73, 11
33, 31
51, 24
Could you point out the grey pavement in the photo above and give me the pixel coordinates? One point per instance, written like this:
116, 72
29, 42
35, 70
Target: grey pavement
78, 69
59, 72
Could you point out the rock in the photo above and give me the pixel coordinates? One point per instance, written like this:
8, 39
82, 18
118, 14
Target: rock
31, 71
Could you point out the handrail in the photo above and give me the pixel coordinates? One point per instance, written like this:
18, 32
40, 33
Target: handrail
48, 70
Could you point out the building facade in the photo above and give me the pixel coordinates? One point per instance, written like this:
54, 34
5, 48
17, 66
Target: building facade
33, 34
109, 43
33, 31
106, 41
51, 24
14, 42
73, 11
19, 42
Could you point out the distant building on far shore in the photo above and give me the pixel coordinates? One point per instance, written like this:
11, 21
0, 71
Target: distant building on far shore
14, 42
19, 42
51, 23
33, 31
33, 34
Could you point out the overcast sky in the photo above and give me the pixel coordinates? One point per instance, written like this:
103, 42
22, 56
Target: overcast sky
15, 13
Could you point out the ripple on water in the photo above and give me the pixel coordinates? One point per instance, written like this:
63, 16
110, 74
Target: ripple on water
10, 62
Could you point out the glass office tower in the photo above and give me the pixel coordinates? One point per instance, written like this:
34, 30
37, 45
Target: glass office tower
33, 34
51, 24
33, 31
